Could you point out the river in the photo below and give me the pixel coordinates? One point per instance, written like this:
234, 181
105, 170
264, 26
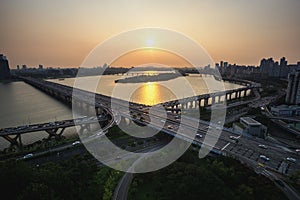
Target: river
22, 104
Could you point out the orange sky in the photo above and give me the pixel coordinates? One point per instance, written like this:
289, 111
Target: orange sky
62, 33
140, 57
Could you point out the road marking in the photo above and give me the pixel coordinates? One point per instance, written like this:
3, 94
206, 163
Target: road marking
225, 146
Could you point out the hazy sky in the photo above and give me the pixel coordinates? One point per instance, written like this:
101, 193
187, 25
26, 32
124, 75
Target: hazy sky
62, 32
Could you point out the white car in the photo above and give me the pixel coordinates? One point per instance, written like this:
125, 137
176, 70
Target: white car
198, 135
233, 137
264, 157
28, 156
263, 146
291, 159
76, 143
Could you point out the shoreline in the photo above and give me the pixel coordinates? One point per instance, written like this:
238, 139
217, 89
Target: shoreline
149, 78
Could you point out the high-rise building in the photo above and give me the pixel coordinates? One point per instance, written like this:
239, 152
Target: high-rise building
293, 89
283, 62
266, 66
4, 68
225, 65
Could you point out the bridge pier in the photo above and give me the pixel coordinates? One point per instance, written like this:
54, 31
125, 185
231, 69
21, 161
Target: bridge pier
228, 96
14, 141
55, 132
219, 99
205, 102
237, 94
213, 100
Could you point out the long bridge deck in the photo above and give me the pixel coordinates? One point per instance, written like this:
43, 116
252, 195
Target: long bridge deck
246, 150
54, 129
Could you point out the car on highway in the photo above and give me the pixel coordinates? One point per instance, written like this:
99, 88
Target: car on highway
263, 157
233, 137
28, 156
59, 123
262, 146
297, 150
291, 159
100, 133
76, 143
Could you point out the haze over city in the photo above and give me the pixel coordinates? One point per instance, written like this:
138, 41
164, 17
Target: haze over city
62, 33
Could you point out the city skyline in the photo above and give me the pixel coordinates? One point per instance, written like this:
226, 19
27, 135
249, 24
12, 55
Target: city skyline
238, 32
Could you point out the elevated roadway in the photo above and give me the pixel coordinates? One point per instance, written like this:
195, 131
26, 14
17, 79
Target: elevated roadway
240, 148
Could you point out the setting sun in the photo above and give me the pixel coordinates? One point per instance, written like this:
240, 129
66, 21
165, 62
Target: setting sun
151, 55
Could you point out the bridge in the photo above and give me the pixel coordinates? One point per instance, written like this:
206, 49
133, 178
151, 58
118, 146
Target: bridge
214, 98
247, 150
54, 129
203, 100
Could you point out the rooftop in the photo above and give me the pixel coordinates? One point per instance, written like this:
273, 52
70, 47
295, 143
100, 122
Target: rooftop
250, 121
2, 57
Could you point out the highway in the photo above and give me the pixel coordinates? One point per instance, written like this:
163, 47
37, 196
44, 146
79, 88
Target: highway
53, 125
246, 147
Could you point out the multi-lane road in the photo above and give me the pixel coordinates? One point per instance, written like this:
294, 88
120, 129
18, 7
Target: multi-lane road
53, 125
246, 147
228, 143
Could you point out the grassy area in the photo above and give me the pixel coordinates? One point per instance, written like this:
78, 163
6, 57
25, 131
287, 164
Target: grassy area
76, 178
